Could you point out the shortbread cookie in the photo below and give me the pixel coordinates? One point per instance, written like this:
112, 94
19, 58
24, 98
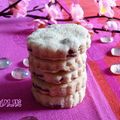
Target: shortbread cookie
57, 101
56, 66
59, 42
88, 42
59, 77
61, 89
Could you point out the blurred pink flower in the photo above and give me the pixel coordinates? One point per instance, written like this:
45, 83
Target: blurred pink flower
76, 12
111, 3
53, 1
12, 1
54, 12
20, 10
112, 25
37, 23
86, 24
105, 7
96, 1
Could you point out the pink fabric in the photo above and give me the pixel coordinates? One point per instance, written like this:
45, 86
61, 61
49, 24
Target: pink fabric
13, 38
13, 45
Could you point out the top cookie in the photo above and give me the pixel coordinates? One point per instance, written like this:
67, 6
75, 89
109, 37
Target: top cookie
59, 41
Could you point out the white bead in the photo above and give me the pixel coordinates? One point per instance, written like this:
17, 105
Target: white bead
4, 63
20, 73
115, 68
115, 51
106, 39
26, 62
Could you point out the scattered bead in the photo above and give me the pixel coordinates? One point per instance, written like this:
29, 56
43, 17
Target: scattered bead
4, 63
106, 39
115, 51
26, 62
20, 73
115, 68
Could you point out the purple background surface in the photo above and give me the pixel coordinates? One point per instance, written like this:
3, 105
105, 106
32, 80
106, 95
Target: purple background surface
13, 38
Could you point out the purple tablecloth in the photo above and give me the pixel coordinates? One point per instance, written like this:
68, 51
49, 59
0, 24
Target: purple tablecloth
13, 38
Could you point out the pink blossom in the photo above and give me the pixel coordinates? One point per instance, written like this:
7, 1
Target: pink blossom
37, 23
76, 12
54, 12
12, 1
20, 10
105, 7
86, 24
111, 3
52, 1
112, 25
53, 21
96, 1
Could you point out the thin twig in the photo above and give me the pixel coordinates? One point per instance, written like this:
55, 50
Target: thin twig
91, 17
36, 9
4, 13
99, 29
63, 8
69, 20
47, 18
10, 6
37, 17
117, 6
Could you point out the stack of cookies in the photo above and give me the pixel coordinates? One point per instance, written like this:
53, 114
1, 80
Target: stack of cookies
57, 60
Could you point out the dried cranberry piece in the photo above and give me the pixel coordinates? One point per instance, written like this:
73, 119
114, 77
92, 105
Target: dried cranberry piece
82, 49
29, 49
73, 55
35, 86
56, 106
62, 79
71, 52
38, 75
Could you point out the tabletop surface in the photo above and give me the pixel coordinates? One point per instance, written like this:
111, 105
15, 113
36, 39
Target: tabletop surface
102, 100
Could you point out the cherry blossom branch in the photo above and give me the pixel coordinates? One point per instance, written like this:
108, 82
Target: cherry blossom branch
37, 17
36, 8
118, 7
47, 18
10, 6
76, 14
101, 29
57, 2
69, 20
7, 14
97, 16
